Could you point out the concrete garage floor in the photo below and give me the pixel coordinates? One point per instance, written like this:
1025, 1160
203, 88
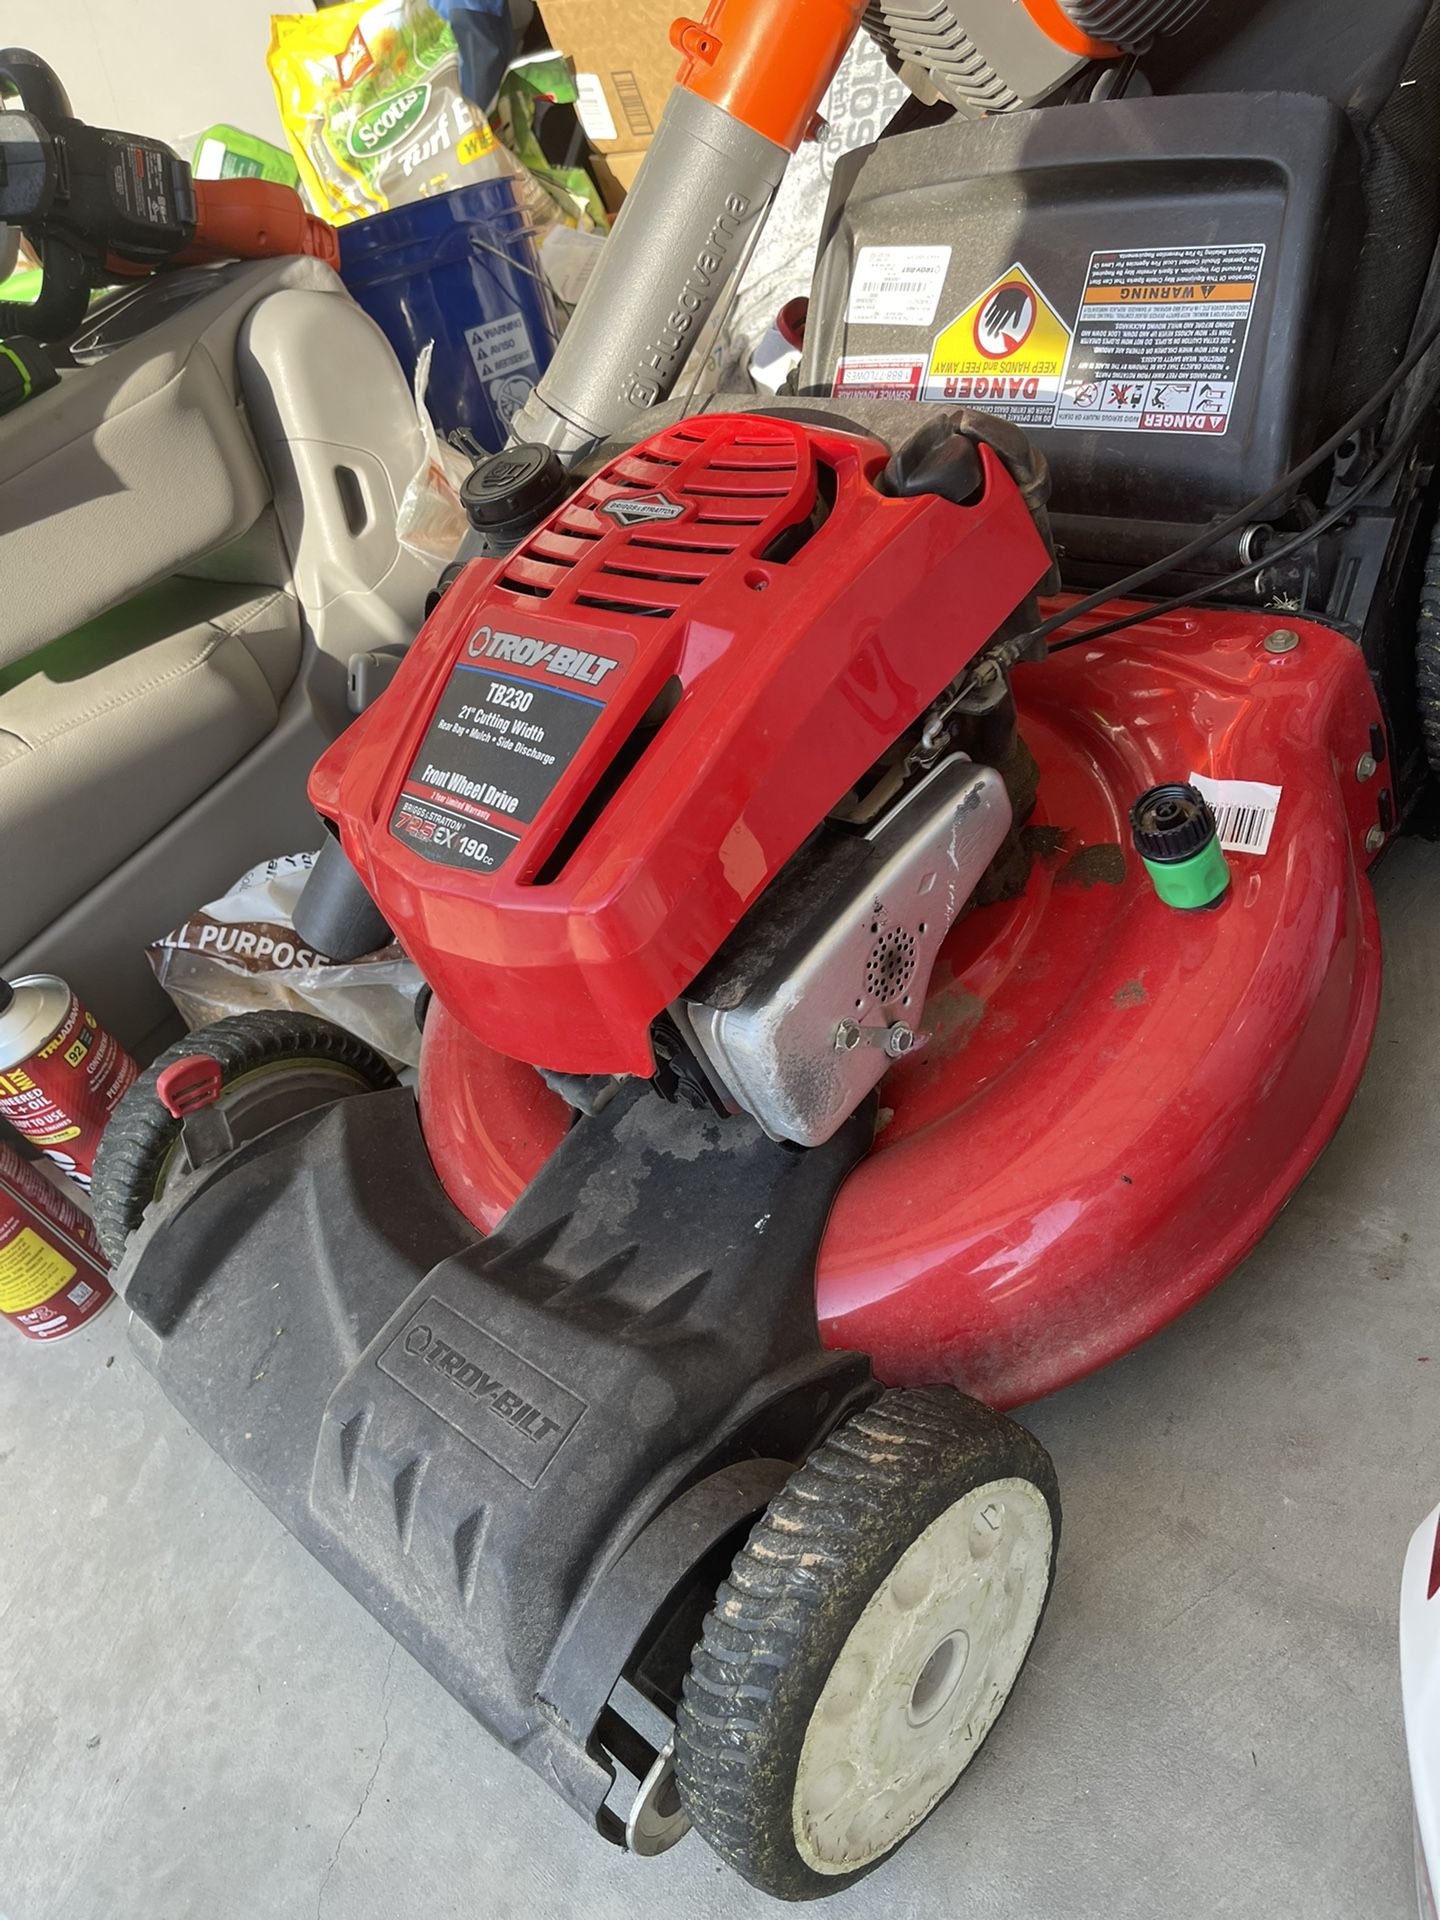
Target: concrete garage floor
195, 1722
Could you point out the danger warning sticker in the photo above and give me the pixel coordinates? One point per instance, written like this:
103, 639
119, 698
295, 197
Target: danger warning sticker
1160, 340
874, 376
1006, 353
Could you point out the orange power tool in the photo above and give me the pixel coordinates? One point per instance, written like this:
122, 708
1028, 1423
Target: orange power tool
97, 205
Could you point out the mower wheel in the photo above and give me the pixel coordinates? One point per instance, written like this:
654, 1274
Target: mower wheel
1427, 654
868, 1637
272, 1065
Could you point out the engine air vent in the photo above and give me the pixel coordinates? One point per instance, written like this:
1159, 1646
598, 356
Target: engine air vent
891, 966
1132, 23
730, 477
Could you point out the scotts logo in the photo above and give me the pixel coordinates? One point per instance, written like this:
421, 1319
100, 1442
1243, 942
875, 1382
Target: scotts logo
637, 509
388, 122
566, 663
469, 1377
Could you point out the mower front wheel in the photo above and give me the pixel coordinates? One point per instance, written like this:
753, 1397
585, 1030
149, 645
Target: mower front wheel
273, 1065
869, 1635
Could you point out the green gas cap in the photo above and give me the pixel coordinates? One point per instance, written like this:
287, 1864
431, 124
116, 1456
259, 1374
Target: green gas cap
1177, 838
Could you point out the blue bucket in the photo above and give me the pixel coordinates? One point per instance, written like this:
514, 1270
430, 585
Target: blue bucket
462, 270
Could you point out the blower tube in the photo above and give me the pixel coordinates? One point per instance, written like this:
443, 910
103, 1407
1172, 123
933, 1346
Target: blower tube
754, 74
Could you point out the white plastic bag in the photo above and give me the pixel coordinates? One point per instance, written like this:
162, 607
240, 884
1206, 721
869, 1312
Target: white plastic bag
241, 953
431, 521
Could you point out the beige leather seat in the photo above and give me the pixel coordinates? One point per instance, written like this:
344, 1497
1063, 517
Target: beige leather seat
196, 532
107, 735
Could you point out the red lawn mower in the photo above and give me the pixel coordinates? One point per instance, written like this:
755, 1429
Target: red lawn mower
893, 943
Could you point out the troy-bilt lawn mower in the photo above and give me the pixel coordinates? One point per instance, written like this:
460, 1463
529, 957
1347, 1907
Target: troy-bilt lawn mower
845, 970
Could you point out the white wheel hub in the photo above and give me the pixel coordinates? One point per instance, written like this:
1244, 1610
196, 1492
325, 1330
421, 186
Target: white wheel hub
923, 1675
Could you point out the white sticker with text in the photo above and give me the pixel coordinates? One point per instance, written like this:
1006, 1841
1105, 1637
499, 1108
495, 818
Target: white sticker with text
897, 286
593, 108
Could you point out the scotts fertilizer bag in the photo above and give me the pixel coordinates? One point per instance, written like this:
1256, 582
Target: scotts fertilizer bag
370, 97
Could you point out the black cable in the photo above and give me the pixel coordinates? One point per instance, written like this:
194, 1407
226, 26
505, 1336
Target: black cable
1133, 583
1155, 609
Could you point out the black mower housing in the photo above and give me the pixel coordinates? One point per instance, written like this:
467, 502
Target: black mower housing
524, 1455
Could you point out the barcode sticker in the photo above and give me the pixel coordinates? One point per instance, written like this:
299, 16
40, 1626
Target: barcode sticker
593, 108
897, 286
1245, 812
80, 1293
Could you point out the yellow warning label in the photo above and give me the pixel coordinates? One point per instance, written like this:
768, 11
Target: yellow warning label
1005, 353
30, 1271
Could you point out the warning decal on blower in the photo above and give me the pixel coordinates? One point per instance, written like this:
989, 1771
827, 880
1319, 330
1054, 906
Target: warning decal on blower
1005, 353
1160, 340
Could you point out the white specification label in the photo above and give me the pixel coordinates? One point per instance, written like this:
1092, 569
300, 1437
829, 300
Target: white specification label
593, 109
1245, 812
897, 286
1160, 340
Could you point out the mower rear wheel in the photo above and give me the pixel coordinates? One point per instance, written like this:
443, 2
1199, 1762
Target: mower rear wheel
871, 1631
272, 1065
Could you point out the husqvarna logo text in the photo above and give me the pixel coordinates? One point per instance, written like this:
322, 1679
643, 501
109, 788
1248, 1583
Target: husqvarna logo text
566, 663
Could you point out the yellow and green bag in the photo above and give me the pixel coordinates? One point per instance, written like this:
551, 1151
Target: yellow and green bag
370, 98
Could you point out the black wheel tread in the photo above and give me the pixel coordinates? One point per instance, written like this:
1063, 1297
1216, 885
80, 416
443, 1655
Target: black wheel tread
141, 1131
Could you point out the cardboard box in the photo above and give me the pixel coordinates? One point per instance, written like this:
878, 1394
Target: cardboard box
625, 66
615, 175
622, 168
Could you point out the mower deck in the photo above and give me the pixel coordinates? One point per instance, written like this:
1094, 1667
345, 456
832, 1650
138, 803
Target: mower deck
1118, 1098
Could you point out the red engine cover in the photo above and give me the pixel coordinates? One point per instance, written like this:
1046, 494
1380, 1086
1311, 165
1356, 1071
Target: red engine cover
601, 749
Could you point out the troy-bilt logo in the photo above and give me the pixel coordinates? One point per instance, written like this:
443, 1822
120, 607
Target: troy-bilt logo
566, 663
470, 1377
388, 122
638, 509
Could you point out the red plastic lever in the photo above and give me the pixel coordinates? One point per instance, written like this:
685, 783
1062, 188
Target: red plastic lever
189, 1084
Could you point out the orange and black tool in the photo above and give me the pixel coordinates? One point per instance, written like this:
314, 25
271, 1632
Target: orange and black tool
98, 205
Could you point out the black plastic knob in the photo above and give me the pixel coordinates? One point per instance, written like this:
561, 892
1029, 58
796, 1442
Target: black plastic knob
1172, 824
508, 493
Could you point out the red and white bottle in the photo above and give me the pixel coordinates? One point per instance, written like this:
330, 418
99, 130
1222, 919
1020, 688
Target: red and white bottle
52, 1271
61, 1074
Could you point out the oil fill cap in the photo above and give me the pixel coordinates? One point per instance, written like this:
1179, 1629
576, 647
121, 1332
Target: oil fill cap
509, 492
